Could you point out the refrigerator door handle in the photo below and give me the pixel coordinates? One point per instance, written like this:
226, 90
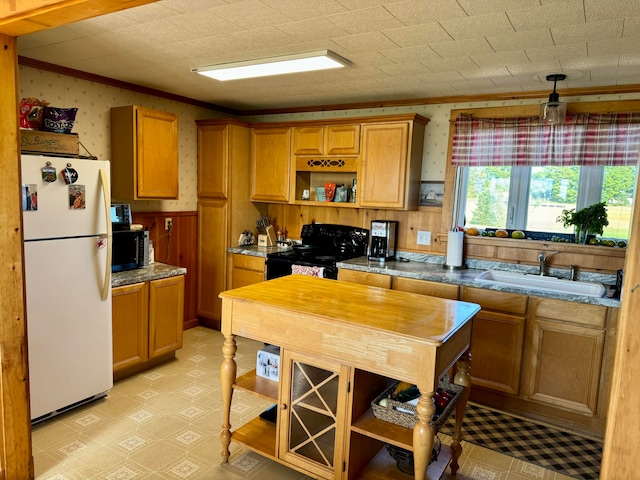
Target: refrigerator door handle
107, 217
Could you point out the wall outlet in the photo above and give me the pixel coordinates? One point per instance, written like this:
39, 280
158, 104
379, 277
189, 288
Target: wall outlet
168, 223
424, 238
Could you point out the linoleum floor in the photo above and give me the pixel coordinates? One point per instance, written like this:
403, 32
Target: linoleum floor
164, 423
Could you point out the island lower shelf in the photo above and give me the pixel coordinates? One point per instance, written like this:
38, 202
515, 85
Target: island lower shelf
369, 459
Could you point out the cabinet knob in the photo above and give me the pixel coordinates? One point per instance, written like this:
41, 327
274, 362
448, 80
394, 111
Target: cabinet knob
283, 406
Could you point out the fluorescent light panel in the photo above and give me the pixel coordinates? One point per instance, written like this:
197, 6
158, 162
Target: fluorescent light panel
301, 62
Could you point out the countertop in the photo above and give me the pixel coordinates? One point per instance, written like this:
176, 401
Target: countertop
430, 267
154, 271
256, 251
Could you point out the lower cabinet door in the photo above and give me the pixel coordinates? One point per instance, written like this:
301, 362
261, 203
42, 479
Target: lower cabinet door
566, 366
497, 350
313, 412
166, 311
130, 325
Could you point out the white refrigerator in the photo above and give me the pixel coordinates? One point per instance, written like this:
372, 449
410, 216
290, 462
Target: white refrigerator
67, 249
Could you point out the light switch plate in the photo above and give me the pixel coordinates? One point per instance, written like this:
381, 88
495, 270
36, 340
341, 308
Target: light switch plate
424, 238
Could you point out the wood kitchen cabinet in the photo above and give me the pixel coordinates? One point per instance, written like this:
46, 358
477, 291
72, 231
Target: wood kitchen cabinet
391, 164
326, 140
497, 342
567, 351
365, 278
224, 208
425, 287
147, 324
246, 270
270, 164
144, 154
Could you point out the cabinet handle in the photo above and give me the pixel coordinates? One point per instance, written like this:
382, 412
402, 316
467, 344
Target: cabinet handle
283, 406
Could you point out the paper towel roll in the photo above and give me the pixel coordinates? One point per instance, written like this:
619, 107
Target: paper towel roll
455, 242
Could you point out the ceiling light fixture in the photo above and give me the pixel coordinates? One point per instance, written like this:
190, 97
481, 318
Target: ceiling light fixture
300, 62
554, 111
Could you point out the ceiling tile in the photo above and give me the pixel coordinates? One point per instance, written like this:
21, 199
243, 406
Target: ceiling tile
605, 30
631, 27
460, 48
610, 9
312, 29
396, 69
499, 59
491, 72
304, 9
473, 85
520, 40
473, 7
365, 20
251, 14
413, 12
450, 64
417, 35
365, 42
478, 26
588, 63
559, 52
535, 68
556, 14
408, 54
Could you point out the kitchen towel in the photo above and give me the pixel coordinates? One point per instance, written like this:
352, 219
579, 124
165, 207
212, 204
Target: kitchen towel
309, 271
455, 242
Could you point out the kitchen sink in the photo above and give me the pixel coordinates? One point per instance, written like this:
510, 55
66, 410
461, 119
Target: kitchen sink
540, 283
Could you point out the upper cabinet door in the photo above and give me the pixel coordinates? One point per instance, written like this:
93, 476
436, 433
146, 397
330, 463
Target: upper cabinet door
342, 140
270, 158
144, 154
213, 161
308, 140
383, 182
157, 154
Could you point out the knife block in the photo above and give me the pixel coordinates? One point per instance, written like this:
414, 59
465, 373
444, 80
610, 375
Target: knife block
269, 239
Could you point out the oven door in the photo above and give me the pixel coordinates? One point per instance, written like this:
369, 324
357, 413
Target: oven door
281, 267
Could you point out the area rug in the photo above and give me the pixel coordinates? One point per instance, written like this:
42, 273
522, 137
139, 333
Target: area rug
566, 453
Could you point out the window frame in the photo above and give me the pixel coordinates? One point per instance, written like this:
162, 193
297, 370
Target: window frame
453, 178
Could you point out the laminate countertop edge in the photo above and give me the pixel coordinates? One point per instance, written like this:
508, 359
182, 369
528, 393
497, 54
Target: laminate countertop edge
155, 271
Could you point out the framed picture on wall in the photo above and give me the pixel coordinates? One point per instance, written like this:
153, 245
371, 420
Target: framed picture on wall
431, 194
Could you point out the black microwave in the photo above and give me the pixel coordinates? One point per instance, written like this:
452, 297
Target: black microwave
130, 249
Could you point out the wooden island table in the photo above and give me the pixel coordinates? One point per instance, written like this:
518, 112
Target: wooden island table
341, 344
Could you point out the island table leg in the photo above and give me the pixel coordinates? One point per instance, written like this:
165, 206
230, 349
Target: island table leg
227, 377
462, 378
423, 435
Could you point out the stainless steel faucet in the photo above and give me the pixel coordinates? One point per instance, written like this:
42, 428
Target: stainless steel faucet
542, 258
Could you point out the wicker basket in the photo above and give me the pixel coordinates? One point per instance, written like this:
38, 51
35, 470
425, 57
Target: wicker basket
390, 413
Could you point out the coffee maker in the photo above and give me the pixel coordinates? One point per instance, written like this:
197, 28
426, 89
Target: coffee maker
382, 240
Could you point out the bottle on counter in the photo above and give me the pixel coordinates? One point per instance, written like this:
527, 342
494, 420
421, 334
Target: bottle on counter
151, 252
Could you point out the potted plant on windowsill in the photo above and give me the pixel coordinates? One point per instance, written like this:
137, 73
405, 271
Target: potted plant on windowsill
589, 220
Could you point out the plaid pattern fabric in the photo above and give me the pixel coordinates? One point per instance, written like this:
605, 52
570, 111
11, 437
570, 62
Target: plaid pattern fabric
586, 140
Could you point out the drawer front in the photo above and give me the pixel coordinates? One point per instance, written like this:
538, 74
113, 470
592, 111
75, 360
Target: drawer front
248, 262
593, 316
499, 301
365, 278
425, 287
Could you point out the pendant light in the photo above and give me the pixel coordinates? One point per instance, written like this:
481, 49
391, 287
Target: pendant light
554, 111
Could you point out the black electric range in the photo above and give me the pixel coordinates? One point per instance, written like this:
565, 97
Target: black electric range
323, 245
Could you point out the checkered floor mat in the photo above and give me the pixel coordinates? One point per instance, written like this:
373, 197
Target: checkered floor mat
563, 452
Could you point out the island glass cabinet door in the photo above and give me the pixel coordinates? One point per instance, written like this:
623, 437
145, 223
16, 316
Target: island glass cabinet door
313, 412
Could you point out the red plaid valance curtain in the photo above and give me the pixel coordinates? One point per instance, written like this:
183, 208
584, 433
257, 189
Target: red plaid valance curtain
588, 140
